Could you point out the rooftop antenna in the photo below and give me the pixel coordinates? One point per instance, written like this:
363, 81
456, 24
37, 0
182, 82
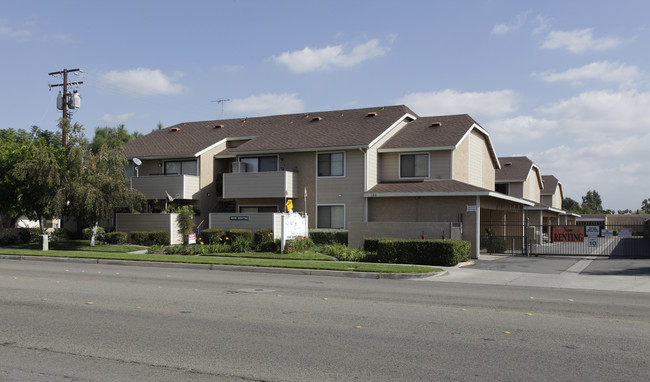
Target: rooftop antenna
221, 101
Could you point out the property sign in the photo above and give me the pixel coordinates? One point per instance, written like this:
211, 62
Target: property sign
625, 232
593, 241
472, 208
191, 238
607, 232
570, 234
593, 230
239, 218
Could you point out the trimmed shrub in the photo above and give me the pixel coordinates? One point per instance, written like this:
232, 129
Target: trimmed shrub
263, 235
212, 235
140, 237
232, 234
116, 237
329, 236
423, 252
9, 237
343, 253
493, 243
87, 233
269, 246
159, 237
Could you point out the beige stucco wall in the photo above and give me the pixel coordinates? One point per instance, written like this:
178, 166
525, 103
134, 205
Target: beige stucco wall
149, 222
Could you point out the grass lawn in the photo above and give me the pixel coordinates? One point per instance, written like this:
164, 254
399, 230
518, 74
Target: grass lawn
304, 260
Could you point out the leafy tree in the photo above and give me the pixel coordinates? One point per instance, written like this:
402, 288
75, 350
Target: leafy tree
112, 137
624, 212
645, 206
592, 203
96, 181
570, 205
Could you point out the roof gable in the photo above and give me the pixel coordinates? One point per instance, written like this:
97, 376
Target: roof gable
517, 169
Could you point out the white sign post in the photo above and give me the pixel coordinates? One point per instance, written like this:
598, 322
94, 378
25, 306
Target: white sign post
293, 226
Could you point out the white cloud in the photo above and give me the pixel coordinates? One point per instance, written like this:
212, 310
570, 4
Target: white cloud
595, 115
519, 22
480, 106
519, 129
266, 104
8, 31
117, 119
578, 41
605, 71
141, 82
308, 59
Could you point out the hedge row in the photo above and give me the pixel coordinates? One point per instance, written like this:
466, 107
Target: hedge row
422, 252
328, 236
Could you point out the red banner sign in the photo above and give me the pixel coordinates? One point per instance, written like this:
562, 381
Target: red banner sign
570, 234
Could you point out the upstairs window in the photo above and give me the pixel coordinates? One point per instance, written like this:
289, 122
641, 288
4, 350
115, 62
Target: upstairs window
330, 164
414, 166
260, 164
186, 167
502, 188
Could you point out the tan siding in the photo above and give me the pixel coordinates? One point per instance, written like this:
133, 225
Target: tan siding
476, 150
517, 189
532, 187
461, 161
488, 167
372, 161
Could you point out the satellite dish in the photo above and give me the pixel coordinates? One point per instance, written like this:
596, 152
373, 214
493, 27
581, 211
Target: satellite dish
137, 161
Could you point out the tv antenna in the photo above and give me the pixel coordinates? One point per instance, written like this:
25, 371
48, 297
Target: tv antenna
221, 101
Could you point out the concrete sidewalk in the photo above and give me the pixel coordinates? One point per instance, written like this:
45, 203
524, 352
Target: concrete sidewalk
570, 278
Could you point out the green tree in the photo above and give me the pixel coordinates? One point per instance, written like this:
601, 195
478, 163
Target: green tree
570, 205
645, 206
112, 137
592, 203
96, 181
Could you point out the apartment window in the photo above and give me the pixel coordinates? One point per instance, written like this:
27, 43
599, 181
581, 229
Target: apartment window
331, 217
330, 164
414, 166
186, 167
260, 164
257, 209
502, 188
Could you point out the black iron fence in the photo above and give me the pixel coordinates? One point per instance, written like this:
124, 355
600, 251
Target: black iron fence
564, 240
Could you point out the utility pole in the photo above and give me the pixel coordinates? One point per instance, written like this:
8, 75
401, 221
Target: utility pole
64, 140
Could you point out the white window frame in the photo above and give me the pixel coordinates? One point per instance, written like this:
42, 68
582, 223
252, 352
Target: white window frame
399, 166
330, 205
330, 153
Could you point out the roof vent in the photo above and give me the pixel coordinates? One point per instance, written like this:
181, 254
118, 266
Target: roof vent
218, 126
372, 114
436, 124
316, 118
176, 128
508, 163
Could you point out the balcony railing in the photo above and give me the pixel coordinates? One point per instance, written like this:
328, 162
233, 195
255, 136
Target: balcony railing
272, 184
165, 186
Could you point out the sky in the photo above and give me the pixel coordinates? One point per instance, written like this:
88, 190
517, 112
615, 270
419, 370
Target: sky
565, 83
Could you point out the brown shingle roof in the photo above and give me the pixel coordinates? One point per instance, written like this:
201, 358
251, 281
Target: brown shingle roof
513, 169
339, 128
550, 184
432, 186
422, 131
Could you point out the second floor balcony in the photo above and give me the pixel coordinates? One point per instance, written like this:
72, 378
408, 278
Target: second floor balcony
268, 184
160, 186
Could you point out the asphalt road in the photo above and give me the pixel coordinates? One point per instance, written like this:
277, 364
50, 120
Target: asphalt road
89, 322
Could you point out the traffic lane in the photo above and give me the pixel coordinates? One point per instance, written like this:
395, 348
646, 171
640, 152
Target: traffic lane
293, 334
528, 264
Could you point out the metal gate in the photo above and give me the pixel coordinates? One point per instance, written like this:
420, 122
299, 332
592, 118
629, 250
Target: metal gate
566, 240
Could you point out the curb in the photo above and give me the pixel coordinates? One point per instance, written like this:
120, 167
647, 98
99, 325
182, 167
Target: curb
236, 268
